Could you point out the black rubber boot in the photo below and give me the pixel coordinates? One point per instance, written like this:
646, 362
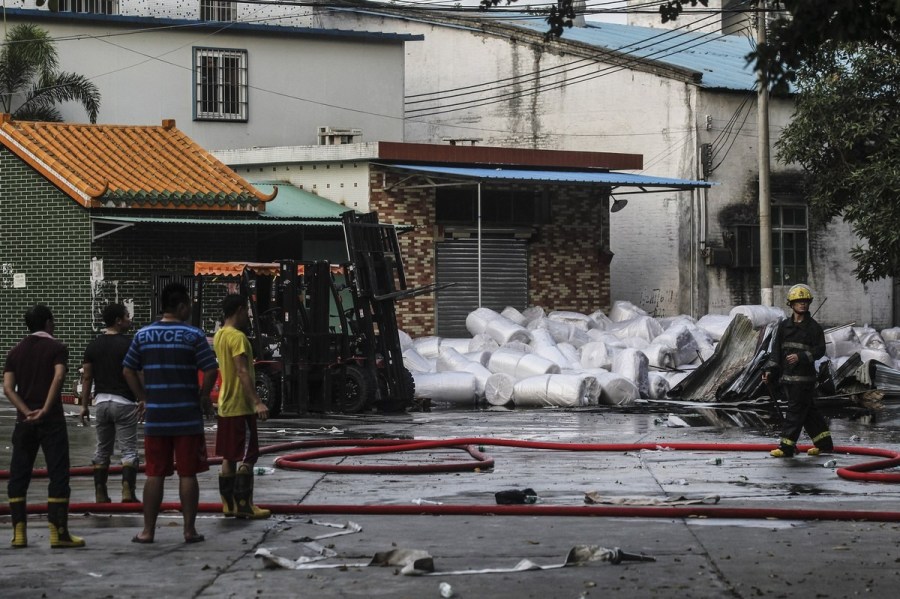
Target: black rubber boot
58, 521
243, 496
129, 482
19, 514
226, 491
101, 476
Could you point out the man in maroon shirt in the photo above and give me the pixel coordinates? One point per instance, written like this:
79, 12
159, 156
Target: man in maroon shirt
32, 379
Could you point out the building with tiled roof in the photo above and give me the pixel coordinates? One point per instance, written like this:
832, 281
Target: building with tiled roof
94, 214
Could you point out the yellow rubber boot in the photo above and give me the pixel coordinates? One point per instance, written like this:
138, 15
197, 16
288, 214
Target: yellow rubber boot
19, 514
243, 496
58, 522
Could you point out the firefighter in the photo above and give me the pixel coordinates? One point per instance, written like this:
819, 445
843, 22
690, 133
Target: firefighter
800, 341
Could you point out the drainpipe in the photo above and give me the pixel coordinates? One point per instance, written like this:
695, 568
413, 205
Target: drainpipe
479, 244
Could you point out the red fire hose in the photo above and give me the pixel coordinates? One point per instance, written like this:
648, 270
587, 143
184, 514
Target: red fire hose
357, 447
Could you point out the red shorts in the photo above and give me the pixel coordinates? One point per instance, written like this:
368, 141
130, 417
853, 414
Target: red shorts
237, 439
186, 453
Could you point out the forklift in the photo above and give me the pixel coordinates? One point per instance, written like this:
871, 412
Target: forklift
324, 336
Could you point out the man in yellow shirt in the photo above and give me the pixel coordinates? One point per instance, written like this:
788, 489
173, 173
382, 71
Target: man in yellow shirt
237, 439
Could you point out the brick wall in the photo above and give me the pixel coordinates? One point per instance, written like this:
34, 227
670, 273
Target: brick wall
565, 270
45, 236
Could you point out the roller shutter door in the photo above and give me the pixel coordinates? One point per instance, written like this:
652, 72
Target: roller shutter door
504, 280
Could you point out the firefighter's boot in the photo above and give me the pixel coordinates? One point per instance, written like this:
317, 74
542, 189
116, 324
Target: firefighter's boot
58, 521
19, 514
226, 491
129, 484
243, 496
101, 476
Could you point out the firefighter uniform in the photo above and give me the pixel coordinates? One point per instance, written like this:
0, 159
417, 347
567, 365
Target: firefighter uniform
806, 339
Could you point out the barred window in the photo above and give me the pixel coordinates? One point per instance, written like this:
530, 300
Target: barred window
220, 81
789, 244
218, 10
98, 7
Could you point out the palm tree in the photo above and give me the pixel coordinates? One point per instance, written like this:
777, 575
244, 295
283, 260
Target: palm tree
30, 79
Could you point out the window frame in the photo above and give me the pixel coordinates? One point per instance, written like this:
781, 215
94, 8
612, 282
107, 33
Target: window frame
798, 269
216, 9
242, 88
95, 7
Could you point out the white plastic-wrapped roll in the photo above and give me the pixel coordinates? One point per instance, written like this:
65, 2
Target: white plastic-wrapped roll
478, 319
644, 327
415, 362
675, 377
680, 339
869, 337
669, 321
482, 342
633, 365
659, 386
612, 342
551, 390
503, 330
453, 387
595, 355
616, 390
560, 331
841, 341
575, 319
759, 316
450, 360
571, 355
893, 348
459, 344
623, 310
592, 391
553, 353
505, 360
498, 389
660, 356
518, 346
482, 357
892, 334
405, 340
635, 343
714, 325
520, 365
601, 320
514, 315
533, 313
429, 347
541, 337
876, 354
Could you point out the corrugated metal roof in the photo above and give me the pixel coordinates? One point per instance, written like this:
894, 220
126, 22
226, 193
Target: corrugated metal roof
612, 179
720, 59
293, 202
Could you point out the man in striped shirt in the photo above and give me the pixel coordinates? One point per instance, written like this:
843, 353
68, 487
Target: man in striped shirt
169, 353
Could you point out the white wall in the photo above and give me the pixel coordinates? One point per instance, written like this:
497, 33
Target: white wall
297, 83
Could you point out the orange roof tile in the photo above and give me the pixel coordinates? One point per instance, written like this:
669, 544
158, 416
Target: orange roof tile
129, 166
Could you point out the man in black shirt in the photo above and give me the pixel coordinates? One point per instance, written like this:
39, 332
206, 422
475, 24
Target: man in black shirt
117, 411
33, 375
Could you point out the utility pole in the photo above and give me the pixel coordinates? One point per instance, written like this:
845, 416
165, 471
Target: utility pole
765, 214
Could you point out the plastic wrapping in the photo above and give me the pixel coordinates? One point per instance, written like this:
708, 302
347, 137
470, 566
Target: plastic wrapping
459, 344
503, 330
482, 342
405, 340
451, 360
644, 327
633, 365
876, 354
601, 320
660, 356
635, 343
659, 386
498, 389
759, 316
429, 347
616, 390
869, 338
553, 390
453, 387
715, 325
682, 341
561, 332
482, 357
892, 334
533, 313
841, 341
575, 319
595, 355
571, 355
514, 315
622, 310
478, 319
518, 346
415, 362
520, 365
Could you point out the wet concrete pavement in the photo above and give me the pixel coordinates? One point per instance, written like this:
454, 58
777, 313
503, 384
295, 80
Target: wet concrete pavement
695, 557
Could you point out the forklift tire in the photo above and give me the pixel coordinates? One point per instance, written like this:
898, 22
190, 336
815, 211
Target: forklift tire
406, 396
268, 393
359, 390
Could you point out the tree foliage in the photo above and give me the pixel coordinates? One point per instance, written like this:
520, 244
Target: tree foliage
846, 134
31, 85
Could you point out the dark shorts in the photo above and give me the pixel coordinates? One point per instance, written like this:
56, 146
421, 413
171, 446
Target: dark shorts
237, 439
186, 453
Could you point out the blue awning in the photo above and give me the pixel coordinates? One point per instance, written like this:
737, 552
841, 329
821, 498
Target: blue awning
606, 178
